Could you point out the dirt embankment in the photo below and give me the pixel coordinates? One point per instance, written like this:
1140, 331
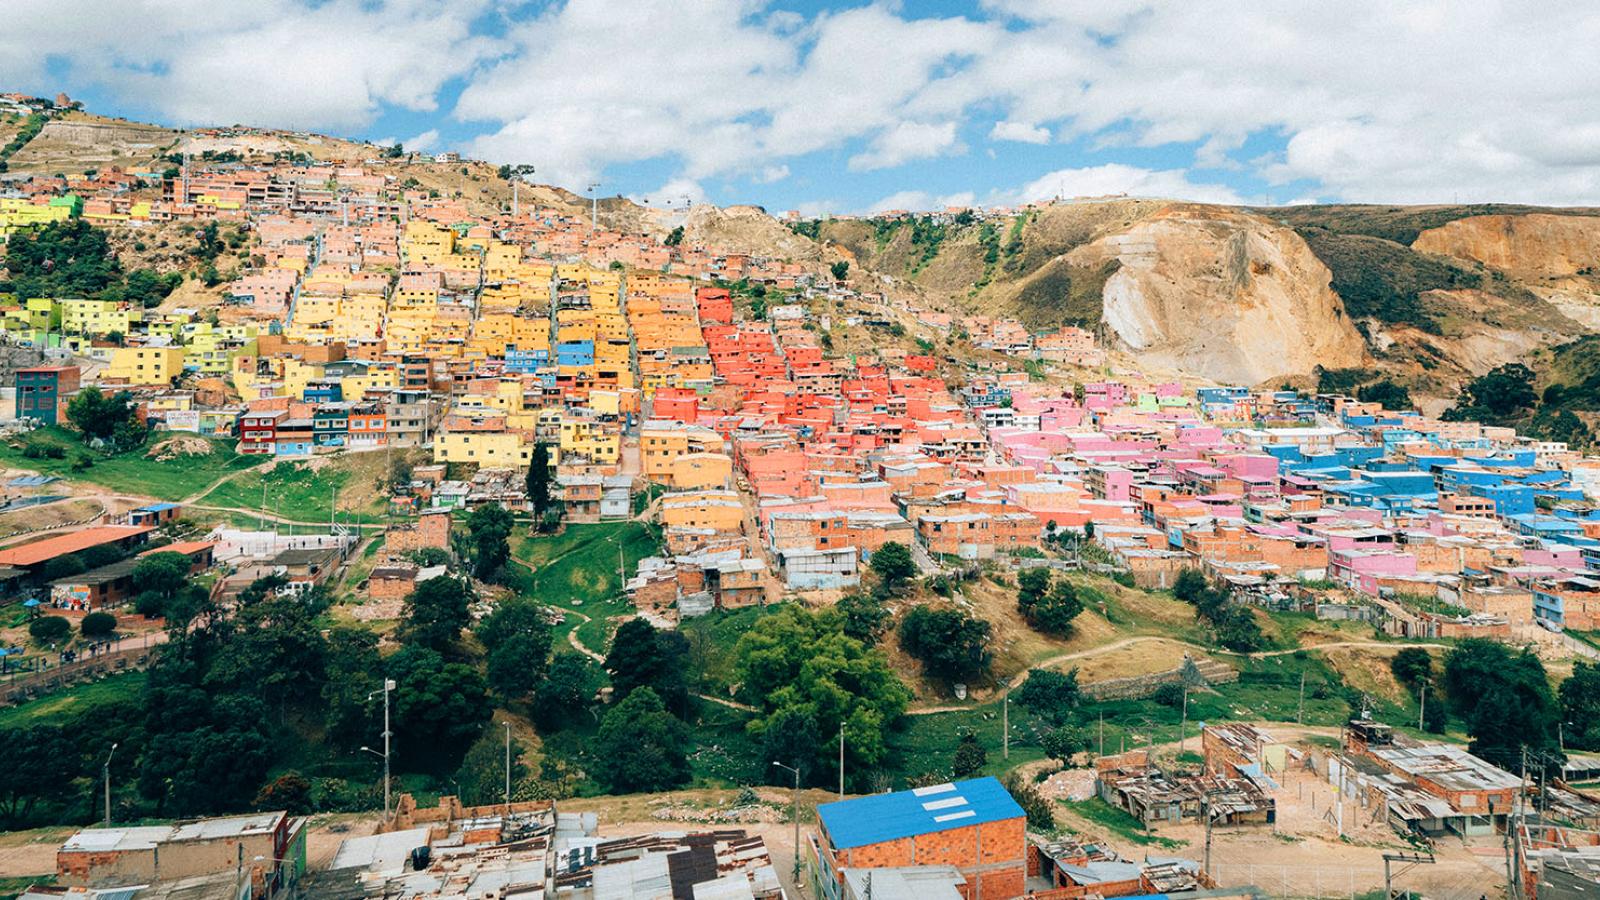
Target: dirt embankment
1556, 257
1222, 294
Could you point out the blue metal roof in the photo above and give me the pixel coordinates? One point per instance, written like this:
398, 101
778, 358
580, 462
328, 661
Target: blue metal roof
158, 507
941, 807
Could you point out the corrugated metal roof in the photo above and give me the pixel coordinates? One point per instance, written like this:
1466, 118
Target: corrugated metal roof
941, 807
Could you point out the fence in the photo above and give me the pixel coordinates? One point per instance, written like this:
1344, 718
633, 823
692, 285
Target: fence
1137, 687
20, 687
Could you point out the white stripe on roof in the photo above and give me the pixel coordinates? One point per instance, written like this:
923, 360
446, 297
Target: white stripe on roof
964, 814
945, 803
945, 788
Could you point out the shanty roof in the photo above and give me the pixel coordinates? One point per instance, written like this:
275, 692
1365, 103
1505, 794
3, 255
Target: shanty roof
43, 551
940, 807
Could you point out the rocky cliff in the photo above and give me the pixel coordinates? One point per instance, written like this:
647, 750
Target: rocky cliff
1222, 294
1557, 257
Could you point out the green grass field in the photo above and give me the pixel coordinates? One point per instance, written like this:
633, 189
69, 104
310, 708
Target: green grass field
1118, 822
131, 473
295, 492
121, 691
578, 571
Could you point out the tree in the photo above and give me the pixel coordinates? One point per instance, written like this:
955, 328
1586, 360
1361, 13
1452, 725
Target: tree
49, 630
157, 579
482, 774
290, 791
98, 625
516, 666
640, 746
1237, 630
1412, 667
1032, 584
864, 617
516, 617
1054, 613
435, 613
1190, 586
1497, 395
539, 479
643, 656
674, 237
37, 765
947, 641
1064, 742
970, 757
276, 651
568, 689
892, 563
1035, 807
839, 270
1385, 393
351, 664
1505, 699
110, 419
802, 670
489, 528
1580, 705
438, 707
790, 736
1051, 695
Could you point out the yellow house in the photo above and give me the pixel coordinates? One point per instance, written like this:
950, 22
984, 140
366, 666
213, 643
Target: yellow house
426, 242
498, 449
660, 443
695, 471
145, 365
718, 510
98, 317
589, 439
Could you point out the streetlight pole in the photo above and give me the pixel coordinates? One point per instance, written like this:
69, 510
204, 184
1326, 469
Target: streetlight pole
107, 773
1183, 721
388, 685
795, 813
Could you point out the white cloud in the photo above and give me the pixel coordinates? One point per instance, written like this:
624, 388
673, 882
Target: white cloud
1019, 131
905, 142
1363, 100
1115, 178
921, 201
673, 194
285, 63
772, 174
423, 142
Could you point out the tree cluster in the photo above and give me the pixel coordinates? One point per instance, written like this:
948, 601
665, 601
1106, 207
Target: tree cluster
1504, 696
1235, 627
1049, 606
75, 259
949, 642
813, 681
112, 420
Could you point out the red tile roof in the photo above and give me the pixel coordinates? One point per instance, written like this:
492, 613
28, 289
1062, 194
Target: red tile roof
62, 544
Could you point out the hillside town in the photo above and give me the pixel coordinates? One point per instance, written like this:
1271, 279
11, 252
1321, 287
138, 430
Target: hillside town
761, 434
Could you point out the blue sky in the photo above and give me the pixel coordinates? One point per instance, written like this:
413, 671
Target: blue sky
851, 106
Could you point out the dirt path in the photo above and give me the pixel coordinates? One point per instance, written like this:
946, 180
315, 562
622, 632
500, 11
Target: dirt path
1263, 654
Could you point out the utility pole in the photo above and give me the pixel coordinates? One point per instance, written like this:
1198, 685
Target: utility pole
1183, 721
388, 685
1422, 708
794, 811
1205, 810
1300, 709
1005, 724
1102, 733
508, 768
841, 760
1414, 859
594, 207
107, 773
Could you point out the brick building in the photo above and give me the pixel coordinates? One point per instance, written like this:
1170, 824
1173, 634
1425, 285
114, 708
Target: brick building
972, 826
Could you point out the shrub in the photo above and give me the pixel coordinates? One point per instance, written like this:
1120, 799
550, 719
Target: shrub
49, 629
98, 624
